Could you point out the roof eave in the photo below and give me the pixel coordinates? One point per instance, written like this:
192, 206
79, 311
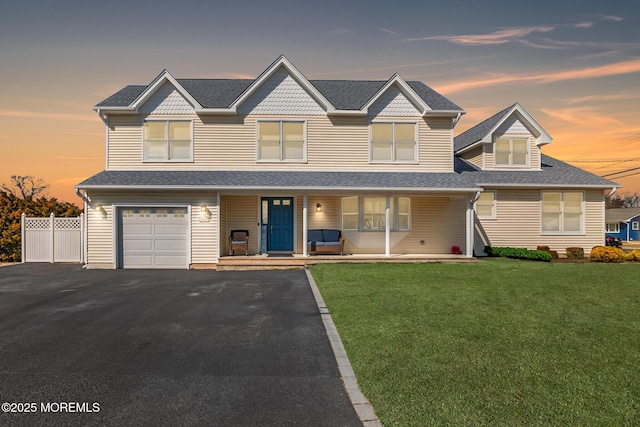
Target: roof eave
542, 186
276, 187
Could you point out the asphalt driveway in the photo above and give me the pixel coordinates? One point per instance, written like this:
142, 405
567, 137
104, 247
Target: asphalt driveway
165, 348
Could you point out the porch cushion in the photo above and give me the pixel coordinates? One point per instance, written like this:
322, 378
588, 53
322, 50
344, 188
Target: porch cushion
320, 243
331, 244
331, 236
314, 235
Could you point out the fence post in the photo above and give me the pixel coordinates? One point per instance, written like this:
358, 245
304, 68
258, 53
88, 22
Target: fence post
23, 216
53, 232
82, 237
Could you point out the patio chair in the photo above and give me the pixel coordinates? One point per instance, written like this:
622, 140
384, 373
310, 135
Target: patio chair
239, 240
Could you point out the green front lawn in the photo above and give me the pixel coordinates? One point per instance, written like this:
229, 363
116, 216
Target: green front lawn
501, 342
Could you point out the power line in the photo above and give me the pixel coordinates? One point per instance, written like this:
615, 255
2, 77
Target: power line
625, 141
623, 171
626, 176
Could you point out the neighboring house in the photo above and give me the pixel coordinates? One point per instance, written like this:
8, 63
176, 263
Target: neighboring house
189, 160
623, 223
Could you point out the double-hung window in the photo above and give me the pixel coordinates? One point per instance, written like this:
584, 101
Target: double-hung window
562, 212
511, 151
369, 213
486, 205
168, 141
281, 141
393, 143
613, 227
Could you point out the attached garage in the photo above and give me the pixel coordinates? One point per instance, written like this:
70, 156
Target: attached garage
153, 237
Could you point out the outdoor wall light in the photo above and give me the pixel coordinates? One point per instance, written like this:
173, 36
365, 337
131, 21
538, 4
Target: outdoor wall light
205, 214
98, 208
318, 207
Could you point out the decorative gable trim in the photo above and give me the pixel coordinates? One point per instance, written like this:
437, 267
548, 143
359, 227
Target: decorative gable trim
156, 84
541, 135
297, 76
393, 103
405, 89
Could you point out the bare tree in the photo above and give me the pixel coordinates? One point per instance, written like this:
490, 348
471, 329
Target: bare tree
25, 186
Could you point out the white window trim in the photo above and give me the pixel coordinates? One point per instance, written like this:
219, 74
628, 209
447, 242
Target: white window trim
167, 120
616, 230
561, 232
395, 215
511, 165
416, 152
281, 121
495, 206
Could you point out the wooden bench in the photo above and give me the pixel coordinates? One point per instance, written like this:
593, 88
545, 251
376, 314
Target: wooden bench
325, 241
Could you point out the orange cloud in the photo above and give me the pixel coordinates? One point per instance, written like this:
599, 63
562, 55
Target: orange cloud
498, 37
584, 117
618, 68
52, 116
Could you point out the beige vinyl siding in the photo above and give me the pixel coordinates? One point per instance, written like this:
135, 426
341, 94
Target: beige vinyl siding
242, 214
474, 156
518, 222
333, 143
124, 135
101, 234
328, 218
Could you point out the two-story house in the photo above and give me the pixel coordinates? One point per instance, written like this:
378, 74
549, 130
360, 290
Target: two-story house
188, 160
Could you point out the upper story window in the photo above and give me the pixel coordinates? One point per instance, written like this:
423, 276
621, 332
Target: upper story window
562, 212
393, 143
486, 205
369, 213
281, 141
168, 141
511, 151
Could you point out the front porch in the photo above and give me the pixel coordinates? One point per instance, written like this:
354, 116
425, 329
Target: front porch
299, 261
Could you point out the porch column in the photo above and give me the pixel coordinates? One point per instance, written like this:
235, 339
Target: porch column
305, 225
218, 227
470, 227
387, 230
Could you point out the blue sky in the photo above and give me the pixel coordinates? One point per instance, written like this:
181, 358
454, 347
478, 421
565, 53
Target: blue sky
574, 67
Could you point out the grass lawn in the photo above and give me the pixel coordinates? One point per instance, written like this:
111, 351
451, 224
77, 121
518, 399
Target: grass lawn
501, 342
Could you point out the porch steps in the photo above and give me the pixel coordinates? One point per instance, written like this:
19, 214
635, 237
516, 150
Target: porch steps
258, 262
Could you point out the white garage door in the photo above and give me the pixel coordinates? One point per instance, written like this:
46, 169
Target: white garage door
154, 238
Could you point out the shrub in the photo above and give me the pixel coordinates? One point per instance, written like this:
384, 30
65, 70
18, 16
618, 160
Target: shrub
554, 254
607, 254
633, 256
519, 253
575, 253
456, 250
543, 248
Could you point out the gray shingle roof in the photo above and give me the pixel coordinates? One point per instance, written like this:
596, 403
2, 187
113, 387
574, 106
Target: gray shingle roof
278, 179
123, 97
621, 214
554, 173
479, 131
343, 94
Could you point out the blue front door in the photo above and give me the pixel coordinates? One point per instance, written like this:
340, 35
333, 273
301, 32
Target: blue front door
280, 224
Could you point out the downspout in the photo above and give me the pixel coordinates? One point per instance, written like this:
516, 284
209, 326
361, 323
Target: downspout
85, 223
456, 120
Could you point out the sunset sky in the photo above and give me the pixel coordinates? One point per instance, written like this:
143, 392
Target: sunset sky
575, 66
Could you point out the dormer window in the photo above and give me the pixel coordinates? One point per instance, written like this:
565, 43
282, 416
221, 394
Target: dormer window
511, 152
167, 141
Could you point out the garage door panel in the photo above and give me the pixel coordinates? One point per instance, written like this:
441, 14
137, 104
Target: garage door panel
137, 245
154, 238
170, 245
170, 261
137, 228
170, 229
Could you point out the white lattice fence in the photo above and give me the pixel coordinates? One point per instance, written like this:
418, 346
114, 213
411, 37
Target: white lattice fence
52, 239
